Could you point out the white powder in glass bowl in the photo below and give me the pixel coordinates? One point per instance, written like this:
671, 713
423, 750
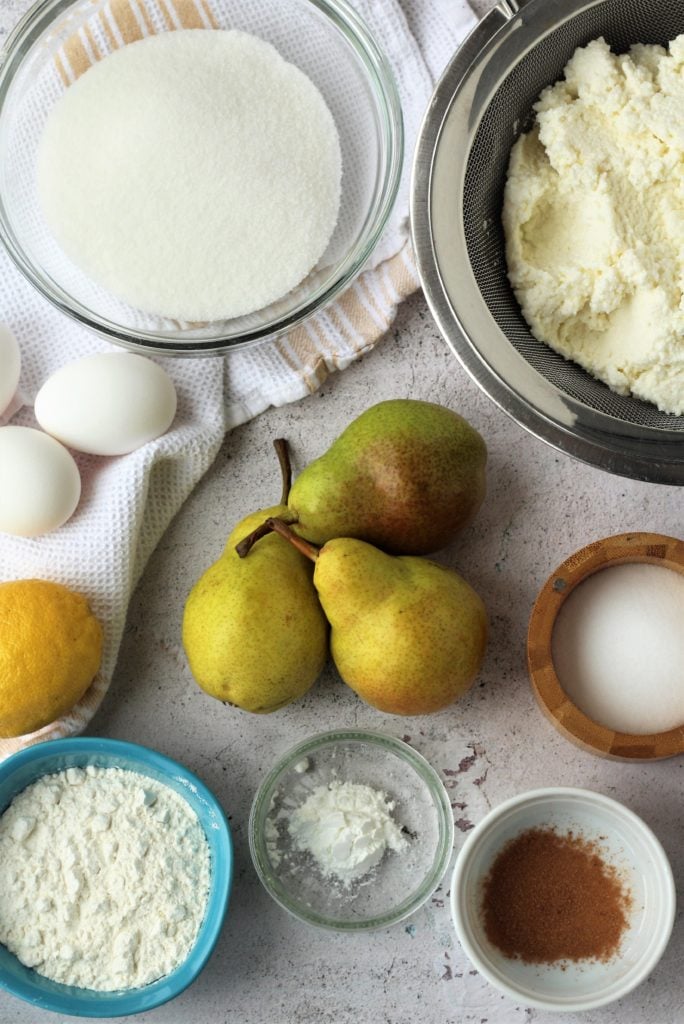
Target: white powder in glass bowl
347, 828
194, 174
351, 830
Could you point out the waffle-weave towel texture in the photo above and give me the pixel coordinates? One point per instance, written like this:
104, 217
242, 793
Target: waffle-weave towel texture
128, 502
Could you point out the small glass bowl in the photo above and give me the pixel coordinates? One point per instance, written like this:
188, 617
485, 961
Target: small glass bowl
402, 881
325, 38
25, 767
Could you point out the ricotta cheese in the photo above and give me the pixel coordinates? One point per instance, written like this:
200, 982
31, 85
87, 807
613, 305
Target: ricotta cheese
594, 219
104, 878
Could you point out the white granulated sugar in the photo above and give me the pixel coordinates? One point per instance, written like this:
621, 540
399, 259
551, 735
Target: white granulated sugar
347, 828
618, 648
194, 174
104, 878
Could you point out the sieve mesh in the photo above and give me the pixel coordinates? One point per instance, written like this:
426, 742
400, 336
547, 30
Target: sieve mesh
622, 23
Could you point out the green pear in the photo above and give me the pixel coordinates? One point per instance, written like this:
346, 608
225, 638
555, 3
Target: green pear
405, 475
253, 630
407, 635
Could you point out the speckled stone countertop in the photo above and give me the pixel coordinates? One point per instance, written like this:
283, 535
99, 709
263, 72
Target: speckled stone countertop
268, 968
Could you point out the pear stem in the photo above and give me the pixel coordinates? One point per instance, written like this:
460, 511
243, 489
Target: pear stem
273, 525
283, 453
244, 546
278, 526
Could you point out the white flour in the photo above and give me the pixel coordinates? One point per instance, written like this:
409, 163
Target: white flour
104, 878
347, 828
194, 174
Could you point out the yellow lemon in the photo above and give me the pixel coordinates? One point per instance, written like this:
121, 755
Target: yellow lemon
50, 650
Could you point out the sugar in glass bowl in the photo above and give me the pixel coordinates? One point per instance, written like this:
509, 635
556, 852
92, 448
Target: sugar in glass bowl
402, 881
21, 770
324, 38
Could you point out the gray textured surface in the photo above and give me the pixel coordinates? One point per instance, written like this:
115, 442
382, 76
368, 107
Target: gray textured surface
269, 968
541, 506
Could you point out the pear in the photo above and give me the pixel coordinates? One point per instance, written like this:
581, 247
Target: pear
405, 475
407, 635
253, 630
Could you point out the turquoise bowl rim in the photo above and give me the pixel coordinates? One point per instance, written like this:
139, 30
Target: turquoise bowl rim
22, 768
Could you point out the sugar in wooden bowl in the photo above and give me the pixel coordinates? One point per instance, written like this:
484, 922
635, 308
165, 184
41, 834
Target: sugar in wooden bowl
606, 647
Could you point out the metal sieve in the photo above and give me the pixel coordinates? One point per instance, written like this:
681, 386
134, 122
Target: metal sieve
480, 106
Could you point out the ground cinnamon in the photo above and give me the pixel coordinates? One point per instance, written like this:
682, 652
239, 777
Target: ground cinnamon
550, 897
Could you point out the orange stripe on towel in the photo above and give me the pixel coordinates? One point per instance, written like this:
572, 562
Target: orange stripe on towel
204, 6
62, 71
188, 15
342, 328
126, 21
313, 367
402, 278
108, 32
77, 56
358, 317
168, 16
144, 14
285, 356
88, 32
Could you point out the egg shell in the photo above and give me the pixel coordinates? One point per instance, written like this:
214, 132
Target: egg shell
107, 404
10, 366
39, 482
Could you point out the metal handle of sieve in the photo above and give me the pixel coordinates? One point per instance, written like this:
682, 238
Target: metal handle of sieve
509, 8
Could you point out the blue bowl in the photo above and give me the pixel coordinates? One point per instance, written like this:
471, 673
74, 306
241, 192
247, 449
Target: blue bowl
19, 771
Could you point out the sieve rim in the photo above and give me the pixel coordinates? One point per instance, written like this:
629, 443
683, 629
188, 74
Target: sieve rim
460, 100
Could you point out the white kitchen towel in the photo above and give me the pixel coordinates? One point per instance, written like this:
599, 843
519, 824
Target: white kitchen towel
128, 502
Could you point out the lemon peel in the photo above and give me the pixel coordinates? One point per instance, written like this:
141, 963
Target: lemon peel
50, 651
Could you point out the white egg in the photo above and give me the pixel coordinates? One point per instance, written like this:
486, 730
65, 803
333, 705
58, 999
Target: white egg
107, 404
10, 366
39, 482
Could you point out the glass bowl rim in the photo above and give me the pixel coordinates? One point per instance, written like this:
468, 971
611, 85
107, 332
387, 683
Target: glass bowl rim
132, 1001
339, 13
404, 752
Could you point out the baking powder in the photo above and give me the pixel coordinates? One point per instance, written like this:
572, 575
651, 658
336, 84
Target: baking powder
347, 828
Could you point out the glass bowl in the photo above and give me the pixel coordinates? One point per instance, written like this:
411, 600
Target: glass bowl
19, 771
325, 38
625, 842
402, 881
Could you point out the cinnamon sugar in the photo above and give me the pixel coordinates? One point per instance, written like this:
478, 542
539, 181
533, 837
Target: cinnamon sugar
550, 897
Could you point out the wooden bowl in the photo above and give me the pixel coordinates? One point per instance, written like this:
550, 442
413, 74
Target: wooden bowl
574, 724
